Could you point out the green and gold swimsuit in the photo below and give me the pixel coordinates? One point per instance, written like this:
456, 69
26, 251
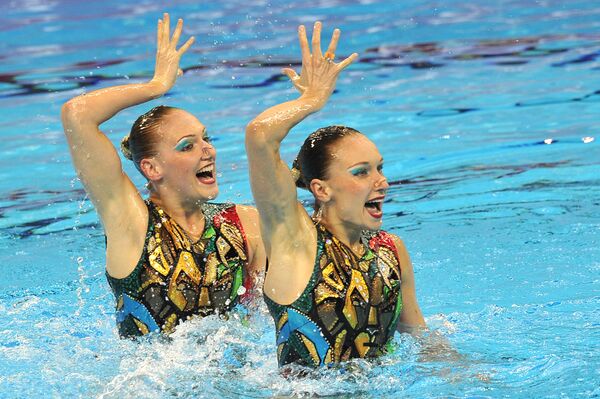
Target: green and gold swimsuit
176, 278
349, 308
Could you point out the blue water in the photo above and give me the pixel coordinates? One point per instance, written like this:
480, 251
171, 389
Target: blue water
486, 114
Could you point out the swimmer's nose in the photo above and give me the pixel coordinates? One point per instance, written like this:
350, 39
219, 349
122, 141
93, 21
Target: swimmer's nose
208, 150
382, 184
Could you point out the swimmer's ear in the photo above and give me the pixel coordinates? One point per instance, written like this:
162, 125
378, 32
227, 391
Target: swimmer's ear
151, 168
320, 190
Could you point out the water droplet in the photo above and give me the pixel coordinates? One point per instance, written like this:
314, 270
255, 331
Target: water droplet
587, 140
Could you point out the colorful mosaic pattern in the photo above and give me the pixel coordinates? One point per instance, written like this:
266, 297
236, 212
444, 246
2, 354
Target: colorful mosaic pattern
349, 309
177, 278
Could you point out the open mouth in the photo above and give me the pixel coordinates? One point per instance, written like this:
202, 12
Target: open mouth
374, 207
206, 175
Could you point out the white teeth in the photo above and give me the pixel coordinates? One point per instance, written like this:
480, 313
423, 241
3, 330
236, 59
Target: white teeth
209, 168
377, 204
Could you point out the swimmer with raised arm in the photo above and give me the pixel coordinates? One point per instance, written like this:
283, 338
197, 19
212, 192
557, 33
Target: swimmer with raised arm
174, 255
337, 286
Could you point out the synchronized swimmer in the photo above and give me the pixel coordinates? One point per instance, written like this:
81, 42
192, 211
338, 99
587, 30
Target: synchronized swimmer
337, 286
175, 254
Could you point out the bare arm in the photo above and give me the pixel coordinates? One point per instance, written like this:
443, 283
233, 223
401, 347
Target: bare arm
288, 233
435, 346
256, 251
95, 158
411, 318
272, 184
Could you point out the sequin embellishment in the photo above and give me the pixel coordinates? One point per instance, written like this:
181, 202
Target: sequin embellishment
176, 278
349, 308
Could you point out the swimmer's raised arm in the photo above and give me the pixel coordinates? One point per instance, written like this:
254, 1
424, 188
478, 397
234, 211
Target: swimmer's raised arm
95, 158
271, 180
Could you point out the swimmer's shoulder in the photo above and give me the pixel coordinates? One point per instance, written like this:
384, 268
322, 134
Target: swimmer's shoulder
248, 214
250, 224
245, 217
406, 267
387, 239
398, 243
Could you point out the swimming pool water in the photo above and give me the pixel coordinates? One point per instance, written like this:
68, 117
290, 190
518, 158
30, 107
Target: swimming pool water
486, 115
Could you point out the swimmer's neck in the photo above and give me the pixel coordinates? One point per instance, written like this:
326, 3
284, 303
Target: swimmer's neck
349, 235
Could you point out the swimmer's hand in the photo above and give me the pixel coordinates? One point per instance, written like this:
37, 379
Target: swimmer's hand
435, 346
167, 69
319, 71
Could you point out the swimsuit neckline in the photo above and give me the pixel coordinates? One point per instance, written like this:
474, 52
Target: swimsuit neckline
364, 241
162, 212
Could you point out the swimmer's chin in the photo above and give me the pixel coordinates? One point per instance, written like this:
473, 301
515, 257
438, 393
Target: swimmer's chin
213, 196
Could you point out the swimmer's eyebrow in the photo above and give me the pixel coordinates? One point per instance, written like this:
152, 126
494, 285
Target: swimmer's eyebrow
365, 163
186, 137
358, 164
182, 140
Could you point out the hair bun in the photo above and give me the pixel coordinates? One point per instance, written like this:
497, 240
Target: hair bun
125, 148
297, 175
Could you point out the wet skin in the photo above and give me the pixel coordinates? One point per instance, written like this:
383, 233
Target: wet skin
185, 163
354, 178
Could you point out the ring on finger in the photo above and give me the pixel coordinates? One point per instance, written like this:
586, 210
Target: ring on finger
329, 56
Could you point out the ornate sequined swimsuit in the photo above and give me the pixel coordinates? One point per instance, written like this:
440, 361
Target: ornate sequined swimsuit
176, 278
349, 308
